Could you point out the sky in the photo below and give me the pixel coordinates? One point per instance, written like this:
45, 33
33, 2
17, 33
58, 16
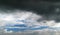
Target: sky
31, 18
47, 11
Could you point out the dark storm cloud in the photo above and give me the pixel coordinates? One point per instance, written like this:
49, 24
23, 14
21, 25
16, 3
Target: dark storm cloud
42, 7
39, 6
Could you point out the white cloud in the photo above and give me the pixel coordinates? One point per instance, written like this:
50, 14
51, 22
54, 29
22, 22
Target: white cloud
30, 17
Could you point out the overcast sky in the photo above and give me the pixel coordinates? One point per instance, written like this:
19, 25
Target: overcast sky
50, 10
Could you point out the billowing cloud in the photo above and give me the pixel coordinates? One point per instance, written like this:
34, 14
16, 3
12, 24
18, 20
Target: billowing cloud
20, 19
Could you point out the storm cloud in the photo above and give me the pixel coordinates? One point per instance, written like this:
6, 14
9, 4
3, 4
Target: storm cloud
49, 10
